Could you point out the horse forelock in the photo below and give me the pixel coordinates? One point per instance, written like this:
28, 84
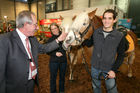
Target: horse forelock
79, 20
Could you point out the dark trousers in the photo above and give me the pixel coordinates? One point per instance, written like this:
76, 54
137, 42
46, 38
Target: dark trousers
54, 67
30, 86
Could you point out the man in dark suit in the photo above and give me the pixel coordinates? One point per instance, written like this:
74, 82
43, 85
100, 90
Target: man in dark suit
17, 58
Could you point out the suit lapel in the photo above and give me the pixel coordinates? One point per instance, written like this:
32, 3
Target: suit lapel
19, 42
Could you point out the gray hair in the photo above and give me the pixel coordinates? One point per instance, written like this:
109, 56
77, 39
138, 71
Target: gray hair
23, 17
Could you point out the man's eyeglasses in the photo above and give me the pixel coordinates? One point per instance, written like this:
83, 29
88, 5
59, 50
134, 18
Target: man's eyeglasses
33, 24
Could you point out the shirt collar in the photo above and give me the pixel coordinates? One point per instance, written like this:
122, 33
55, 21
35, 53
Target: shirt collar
113, 32
20, 34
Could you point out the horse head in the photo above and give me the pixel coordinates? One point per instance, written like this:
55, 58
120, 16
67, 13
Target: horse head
66, 26
82, 27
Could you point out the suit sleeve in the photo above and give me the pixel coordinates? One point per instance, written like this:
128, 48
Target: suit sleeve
3, 57
123, 46
48, 47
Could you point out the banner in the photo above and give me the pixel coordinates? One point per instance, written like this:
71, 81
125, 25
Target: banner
125, 22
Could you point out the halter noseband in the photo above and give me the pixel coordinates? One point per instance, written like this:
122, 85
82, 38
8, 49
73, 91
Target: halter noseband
85, 31
82, 34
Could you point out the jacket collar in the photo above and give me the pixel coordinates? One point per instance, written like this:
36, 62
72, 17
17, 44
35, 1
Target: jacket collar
112, 33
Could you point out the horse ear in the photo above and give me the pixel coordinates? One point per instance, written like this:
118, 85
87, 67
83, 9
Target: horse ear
61, 17
74, 17
91, 14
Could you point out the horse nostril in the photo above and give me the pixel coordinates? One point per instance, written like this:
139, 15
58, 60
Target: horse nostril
84, 24
70, 38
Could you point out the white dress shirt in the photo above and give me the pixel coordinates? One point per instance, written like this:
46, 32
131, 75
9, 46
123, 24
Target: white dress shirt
23, 37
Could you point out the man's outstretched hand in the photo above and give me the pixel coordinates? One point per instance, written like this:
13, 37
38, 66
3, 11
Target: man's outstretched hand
62, 36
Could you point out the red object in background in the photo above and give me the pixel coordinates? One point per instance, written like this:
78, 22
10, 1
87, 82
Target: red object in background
11, 29
47, 34
101, 17
49, 21
128, 20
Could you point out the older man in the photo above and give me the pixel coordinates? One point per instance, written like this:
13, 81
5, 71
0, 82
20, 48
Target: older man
19, 54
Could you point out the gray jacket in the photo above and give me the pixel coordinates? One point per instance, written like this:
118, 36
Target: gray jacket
105, 50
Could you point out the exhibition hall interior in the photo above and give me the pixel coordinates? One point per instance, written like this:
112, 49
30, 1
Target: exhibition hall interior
77, 77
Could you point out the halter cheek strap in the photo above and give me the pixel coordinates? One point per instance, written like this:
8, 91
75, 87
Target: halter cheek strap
83, 32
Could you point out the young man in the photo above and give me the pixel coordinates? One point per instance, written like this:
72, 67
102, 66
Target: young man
108, 54
19, 54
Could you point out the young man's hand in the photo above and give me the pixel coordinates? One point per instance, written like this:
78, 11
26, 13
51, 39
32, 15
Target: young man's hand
111, 74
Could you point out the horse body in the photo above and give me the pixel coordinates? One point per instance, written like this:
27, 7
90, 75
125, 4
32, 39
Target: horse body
126, 67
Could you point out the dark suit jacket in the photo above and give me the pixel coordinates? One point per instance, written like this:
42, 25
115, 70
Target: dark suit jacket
14, 61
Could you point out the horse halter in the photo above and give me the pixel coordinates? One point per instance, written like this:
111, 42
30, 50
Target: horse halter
82, 33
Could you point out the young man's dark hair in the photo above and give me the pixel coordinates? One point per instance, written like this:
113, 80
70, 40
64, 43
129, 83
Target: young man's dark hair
111, 11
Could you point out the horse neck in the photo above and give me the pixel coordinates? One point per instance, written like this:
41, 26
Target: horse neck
96, 23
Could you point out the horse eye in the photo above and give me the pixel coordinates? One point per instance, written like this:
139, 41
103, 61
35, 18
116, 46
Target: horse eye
84, 24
